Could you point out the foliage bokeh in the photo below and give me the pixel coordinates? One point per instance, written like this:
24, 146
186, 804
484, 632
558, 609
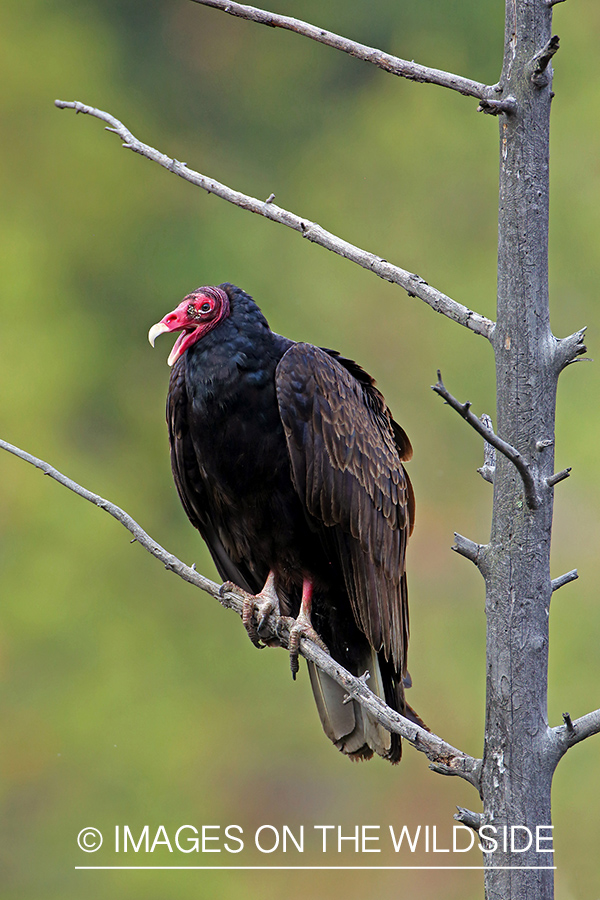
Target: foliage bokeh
127, 697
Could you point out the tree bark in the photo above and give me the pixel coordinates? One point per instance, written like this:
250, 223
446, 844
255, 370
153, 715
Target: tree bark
518, 762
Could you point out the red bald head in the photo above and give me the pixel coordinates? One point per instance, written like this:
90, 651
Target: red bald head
196, 315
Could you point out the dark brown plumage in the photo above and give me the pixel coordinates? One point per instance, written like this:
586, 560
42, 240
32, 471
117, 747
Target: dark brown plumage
288, 461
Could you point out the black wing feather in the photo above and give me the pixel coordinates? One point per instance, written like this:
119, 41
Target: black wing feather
345, 452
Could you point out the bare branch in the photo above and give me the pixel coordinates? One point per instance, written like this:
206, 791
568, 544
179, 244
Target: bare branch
540, 61
497, 107
392, 64
446, 757
412, 284
568, 722
571, 733
169, 561
487, 473
466, 547
470, 550
488, 468
468, 817
570, 349
464, 409
564, 579
558, 476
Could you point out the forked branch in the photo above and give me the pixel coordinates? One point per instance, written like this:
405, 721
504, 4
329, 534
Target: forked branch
385, 61
520, 463
444, 758
412, 284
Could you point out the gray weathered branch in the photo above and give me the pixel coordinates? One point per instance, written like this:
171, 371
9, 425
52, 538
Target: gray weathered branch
564, 579
412, 284
444, 757
558, 477
569, 349
472, 551
468, 817
488, 468
497, 107
540, 61
393, 64
522, 466
573, 732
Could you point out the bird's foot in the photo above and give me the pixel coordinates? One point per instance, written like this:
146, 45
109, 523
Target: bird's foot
302, 627
260, 606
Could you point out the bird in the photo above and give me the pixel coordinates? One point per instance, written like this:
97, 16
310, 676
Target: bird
289, 463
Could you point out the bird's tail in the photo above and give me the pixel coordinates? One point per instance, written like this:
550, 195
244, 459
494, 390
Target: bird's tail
347, 723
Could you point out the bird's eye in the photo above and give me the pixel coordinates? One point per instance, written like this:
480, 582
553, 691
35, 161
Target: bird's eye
206, 307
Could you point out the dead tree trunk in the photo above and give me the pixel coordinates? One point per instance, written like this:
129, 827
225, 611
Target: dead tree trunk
520, 758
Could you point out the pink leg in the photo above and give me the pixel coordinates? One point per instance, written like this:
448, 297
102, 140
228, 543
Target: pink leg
303, 627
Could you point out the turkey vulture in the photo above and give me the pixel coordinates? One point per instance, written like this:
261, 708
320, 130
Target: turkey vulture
289, 463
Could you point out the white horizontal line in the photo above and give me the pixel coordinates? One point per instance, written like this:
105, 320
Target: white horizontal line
315, 868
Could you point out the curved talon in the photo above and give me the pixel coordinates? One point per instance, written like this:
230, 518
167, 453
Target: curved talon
261, 606
248, 610
302, 628
263, 619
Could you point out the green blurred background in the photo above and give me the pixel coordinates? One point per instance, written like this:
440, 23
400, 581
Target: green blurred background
127, 697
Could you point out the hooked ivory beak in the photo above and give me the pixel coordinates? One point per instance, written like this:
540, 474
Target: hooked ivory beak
157, 329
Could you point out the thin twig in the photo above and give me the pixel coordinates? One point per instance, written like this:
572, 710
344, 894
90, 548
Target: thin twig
448, 758
412, 284
169, 561
567, 578
393, 64
558, 477
568, 722
464, 409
